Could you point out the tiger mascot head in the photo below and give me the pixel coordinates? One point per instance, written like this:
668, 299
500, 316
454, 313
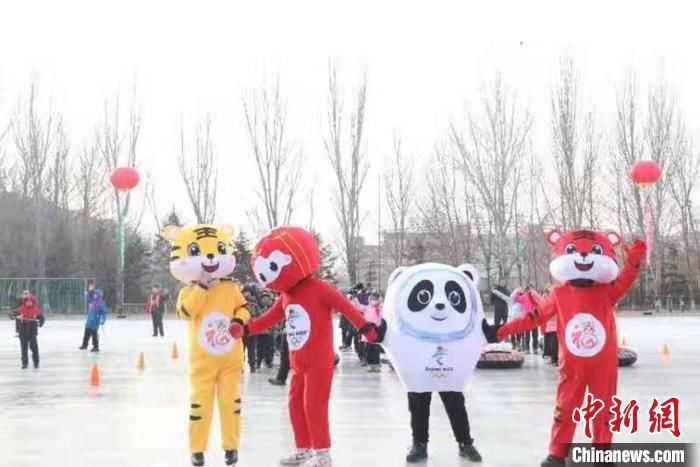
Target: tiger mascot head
583, 255
199, 249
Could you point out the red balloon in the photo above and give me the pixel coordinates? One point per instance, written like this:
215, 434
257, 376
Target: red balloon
645, 172
124, 178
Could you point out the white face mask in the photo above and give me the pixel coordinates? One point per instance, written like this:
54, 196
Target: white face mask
374, 302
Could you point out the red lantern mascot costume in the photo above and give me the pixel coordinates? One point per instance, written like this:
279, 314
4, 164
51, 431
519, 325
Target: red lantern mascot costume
584, 264
285, 261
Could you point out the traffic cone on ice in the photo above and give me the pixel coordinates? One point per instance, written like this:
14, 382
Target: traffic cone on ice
174, 354
94, 376
142, 362
666, 352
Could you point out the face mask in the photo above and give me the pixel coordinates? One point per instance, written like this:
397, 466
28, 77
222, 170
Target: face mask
374, 302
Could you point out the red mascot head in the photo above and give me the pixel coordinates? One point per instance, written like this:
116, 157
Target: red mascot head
583, 255
284, 257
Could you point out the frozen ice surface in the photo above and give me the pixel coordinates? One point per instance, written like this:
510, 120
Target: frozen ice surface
51, 417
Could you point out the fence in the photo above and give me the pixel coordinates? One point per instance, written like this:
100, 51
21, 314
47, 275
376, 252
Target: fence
55, 295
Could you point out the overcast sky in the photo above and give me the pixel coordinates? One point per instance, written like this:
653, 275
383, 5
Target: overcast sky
424, 65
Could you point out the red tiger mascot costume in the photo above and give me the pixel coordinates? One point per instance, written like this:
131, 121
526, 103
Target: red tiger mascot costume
584, 264
285, 261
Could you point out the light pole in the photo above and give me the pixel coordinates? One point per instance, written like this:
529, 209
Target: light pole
123, 179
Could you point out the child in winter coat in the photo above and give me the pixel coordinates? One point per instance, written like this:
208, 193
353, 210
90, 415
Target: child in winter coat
373, 314
96, 316
523, 298
29, 318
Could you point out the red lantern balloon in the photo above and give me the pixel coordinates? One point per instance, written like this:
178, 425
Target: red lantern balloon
124, 178
645, 173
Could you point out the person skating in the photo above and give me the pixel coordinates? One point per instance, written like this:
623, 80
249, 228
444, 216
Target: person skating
584, 263
434, 338
286, 261
522, 297
373, 314
29, 318
96, 317
283, 372
155, 306
203, 260
500, 303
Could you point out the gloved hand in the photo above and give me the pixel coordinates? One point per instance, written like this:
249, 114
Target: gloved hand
491, 332
41, 320
635, 253
237, 328
369, 330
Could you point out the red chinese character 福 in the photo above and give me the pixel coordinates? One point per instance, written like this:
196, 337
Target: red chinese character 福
664, 416
587, 412
626, 417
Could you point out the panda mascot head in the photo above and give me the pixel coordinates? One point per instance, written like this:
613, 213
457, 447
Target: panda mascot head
434, 302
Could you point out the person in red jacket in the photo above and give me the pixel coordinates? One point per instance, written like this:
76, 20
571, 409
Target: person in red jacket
286, 261
590, 285
30, 318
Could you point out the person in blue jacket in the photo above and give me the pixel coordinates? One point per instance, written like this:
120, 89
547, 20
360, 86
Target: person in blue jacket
96, 316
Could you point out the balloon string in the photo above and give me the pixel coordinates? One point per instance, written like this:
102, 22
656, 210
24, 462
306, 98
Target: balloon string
648, 229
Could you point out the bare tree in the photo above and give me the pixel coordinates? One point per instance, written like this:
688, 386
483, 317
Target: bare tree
199, 172
654, 139
59, 183
492, 153
628, 147
399, 189
90, 183
279, 164
35, 138
683, 190
350, 167
442, 214
119, 148
575, 150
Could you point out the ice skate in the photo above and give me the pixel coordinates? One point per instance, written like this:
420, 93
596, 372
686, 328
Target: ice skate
418, 452
298, 457
319, 460
197, 459
470, 452
553, 461
231, 456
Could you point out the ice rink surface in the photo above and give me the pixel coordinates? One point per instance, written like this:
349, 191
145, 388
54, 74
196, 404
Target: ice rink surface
51, 416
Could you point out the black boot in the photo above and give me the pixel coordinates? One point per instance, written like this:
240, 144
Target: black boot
197, 459
418, 452
553, 461
95, 349
231, 456
82, 347
275, 382
469, 451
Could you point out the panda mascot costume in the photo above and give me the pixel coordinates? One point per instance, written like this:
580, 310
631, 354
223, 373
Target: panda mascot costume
584, 264
434, 335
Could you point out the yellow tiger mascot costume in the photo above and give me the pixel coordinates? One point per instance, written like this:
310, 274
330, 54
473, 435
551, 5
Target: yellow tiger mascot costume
203, 258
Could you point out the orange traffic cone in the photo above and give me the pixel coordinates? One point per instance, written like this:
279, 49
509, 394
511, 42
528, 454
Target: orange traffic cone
142, 362
174, 353
666, 352
94, 376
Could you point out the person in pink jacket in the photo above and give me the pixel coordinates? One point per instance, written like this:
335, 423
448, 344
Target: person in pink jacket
373, 314
522, 296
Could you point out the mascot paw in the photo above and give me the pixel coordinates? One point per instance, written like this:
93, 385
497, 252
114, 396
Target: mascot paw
491, 332
370, 332
237, 328
636, 251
